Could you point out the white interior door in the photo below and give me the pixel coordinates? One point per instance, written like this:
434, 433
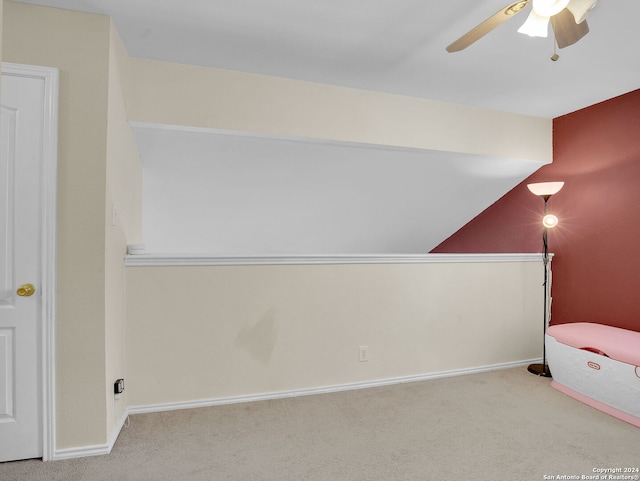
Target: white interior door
21, 191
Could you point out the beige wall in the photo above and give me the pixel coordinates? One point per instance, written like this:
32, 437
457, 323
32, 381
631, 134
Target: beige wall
78, 45
123, 208
99, 170
169, 93
202, 333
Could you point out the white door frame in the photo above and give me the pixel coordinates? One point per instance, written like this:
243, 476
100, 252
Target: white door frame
48, 243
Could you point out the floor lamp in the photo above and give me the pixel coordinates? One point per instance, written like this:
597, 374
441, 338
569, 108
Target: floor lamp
545, 190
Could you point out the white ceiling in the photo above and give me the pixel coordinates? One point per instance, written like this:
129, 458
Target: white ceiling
394, 46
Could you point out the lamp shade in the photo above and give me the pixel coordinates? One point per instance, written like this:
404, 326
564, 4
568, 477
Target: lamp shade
535, 25
581, 9
545, 188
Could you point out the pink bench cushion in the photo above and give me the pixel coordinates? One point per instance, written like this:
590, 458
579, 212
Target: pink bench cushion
619, 344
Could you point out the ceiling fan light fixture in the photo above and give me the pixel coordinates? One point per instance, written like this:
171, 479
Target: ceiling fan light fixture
549, 8
535, 25
581, 9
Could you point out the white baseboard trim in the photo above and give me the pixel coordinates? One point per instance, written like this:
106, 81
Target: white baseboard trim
81, 452
151, 408
95, 450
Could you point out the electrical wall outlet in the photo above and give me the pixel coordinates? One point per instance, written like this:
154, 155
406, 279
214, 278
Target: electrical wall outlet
363, 354
118, 386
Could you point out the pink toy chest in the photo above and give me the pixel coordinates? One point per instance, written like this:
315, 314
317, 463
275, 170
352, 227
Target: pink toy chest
598, 365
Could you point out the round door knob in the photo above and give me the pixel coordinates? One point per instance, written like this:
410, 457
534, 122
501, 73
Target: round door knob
26, 290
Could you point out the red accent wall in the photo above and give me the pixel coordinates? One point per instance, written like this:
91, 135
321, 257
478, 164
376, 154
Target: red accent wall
596, 267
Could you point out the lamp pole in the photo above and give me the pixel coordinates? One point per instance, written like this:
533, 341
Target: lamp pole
545, 190
543, 369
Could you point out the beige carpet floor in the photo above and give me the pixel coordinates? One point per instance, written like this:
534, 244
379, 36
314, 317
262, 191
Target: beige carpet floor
500, 425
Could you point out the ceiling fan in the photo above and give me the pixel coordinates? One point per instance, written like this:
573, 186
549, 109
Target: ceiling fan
567, 18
